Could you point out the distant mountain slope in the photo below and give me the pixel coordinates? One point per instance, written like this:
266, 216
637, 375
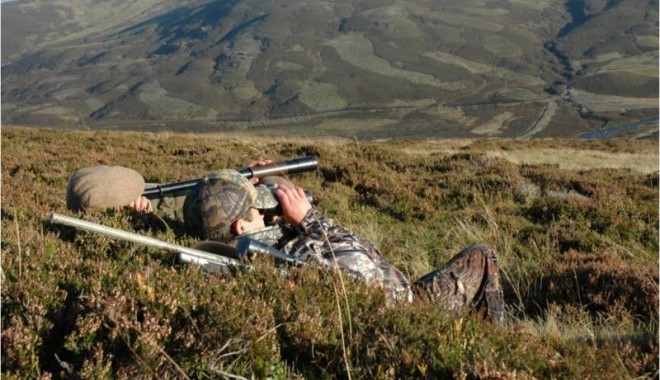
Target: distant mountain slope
369, 69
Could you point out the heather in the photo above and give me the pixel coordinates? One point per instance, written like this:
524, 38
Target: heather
575, 224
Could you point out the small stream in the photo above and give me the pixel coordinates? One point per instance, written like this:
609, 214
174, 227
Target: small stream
610, 132
579, 16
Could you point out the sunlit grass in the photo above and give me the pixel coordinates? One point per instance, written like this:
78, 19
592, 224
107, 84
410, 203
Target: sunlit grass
575, 224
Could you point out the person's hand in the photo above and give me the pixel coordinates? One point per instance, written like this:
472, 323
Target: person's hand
141, 204
256, 164
294, 203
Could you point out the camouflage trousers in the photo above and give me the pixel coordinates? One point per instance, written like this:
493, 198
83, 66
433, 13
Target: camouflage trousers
467, 282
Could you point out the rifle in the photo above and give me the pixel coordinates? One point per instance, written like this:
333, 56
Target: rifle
209, 261
248, 246
292, 166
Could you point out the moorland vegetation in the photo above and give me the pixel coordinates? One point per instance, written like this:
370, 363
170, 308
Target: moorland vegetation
575, 223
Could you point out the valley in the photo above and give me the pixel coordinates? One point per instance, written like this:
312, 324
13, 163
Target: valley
392, 68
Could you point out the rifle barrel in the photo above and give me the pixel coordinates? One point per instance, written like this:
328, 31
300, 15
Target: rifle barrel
292, 166
185, 254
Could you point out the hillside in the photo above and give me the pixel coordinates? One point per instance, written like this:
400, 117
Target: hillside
575, 223
357, 69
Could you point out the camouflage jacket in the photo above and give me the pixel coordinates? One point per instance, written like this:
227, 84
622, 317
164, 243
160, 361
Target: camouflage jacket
467, 282
323, 241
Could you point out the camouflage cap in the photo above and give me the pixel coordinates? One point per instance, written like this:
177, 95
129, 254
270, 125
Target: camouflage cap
99, 187
218, 200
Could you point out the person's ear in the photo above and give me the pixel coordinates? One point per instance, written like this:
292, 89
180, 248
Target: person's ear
237, 227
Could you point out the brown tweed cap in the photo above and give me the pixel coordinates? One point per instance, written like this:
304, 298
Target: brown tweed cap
103, 186
220, 199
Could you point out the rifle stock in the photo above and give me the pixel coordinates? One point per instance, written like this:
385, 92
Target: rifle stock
292, 166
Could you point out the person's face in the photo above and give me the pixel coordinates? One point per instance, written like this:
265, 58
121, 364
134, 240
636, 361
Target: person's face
253, 220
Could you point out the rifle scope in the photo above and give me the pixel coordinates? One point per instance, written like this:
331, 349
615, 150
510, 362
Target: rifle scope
292, 166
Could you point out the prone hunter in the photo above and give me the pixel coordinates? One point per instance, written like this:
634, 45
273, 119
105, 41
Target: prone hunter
225, 207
